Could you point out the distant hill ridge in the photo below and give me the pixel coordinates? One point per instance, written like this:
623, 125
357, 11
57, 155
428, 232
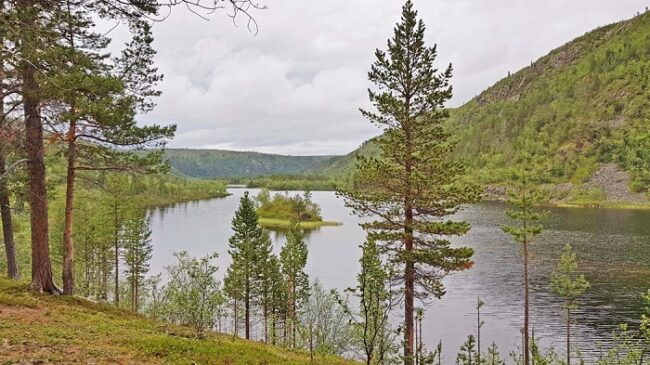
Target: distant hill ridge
204, 163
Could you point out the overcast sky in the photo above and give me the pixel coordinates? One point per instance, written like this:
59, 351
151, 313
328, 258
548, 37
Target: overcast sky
295, 87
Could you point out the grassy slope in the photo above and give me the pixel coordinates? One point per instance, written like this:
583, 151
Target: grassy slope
584, 104
74, 331
219, 163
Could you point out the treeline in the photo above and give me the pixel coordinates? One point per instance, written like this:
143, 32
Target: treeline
226, 164
293, 182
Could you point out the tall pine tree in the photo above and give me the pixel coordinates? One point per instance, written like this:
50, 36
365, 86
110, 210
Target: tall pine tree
242, 277
524, 195
413, 185
137, 253
293, 258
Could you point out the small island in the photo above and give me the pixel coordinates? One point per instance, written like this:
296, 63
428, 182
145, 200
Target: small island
279, 210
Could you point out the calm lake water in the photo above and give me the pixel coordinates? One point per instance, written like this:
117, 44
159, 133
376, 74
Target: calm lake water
613, 247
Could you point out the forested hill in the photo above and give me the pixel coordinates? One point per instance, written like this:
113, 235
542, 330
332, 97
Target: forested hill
584, 109
220, 163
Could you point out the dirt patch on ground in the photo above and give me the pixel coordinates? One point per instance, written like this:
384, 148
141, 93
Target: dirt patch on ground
615, 183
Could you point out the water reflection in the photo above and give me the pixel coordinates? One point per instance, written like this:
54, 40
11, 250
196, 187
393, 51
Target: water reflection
613, 247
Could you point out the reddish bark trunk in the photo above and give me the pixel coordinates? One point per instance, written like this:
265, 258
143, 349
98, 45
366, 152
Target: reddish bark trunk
41, 266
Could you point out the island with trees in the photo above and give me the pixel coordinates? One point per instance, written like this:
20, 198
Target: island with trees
280, 211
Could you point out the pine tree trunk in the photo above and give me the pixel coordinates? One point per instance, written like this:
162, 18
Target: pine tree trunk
7, 226
42, 280
526, 305
409, 286
5, 208
68, 259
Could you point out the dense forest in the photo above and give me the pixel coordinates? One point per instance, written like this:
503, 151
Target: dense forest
233, 164
80, 174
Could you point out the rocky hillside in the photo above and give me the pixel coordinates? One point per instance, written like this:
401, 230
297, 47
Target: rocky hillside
583, 110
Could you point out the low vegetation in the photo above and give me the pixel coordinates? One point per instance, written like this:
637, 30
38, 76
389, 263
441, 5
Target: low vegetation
70, 330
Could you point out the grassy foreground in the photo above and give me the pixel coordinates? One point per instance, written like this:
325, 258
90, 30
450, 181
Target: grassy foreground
273, 223
43, 329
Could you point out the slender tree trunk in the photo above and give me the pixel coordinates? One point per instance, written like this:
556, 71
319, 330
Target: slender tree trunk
417, 348
420, 344
247, 309
568, 335
5, 208
236, 319
7, 226
68, 259
478, 332
266, 323
526, 307
116, 242
409, 286
42, 280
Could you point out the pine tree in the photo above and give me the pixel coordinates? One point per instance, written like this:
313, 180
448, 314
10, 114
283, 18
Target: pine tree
137, 253
99, 106
30, 38
293, 258
524, 196
245, 245
375, 303
413, 184
566, 283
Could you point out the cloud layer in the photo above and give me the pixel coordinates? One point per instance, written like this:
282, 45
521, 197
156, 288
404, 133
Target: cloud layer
295, 87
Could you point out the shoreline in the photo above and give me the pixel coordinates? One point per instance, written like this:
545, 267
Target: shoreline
276, 223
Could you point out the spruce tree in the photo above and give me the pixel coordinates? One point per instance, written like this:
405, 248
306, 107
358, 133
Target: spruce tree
248, 240
293, 258
569, 285
412, 186
524, 195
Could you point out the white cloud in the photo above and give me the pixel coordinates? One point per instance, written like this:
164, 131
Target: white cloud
296, 87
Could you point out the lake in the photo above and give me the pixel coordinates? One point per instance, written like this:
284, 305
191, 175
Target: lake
613, 248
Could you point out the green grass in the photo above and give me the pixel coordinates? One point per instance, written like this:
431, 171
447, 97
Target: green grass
273, 223
37, 328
